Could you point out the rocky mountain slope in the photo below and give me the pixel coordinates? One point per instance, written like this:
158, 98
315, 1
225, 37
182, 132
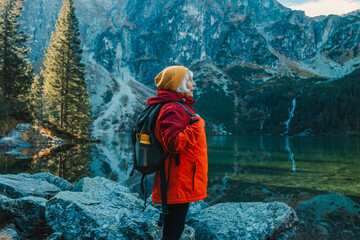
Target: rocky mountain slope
235, 48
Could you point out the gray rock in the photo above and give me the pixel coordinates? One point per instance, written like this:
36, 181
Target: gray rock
55, 236
332, 216
4, 216
99, 184
243, 221
9, 232
27, 213
22, 185
15, 138
157, 206
57, 181
196, 207
288, 235
103, 210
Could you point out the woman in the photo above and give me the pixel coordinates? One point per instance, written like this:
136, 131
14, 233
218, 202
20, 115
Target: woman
183, 136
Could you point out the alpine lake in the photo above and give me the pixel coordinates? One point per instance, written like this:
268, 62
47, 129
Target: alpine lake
241, 168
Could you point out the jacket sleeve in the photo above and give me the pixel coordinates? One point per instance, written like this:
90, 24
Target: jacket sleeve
178, 130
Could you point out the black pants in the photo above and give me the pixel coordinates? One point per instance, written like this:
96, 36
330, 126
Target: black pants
175, 221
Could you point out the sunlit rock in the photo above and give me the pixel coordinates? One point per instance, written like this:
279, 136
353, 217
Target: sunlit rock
243, 221
52, 179
196, 207
100, 185
22, 185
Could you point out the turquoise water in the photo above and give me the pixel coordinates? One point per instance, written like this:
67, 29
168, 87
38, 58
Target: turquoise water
288, 169
241, 168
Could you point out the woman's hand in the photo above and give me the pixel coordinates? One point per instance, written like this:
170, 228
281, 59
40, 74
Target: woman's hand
198, 122
195, 118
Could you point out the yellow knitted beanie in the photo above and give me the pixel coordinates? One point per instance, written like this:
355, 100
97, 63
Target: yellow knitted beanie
170, 78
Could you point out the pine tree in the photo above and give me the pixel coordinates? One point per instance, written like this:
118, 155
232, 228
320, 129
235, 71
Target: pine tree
37, 99
16, 72
66, 98
4, 108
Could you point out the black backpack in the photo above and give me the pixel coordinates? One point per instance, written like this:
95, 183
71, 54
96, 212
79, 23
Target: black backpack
149, 156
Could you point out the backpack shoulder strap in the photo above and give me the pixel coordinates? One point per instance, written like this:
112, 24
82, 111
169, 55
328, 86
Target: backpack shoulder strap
191, 115
154, 114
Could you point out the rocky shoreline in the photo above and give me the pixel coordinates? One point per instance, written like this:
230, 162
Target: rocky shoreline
99, 208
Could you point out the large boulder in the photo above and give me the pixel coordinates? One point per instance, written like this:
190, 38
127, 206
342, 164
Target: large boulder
22, 185
332, 216
243, 221
99, 208
99, 185
196, 207
15, 138
57, 181
27, 213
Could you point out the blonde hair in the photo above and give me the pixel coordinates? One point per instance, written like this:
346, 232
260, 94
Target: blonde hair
182, 87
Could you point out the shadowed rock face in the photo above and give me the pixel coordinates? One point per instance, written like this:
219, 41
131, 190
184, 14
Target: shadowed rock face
27, 212
244, 221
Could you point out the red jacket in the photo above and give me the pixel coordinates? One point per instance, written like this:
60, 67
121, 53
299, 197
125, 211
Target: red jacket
179, 133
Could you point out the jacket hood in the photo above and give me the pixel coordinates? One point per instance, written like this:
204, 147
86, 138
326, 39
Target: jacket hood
170, 96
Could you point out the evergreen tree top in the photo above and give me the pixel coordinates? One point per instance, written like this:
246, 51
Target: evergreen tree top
66, 99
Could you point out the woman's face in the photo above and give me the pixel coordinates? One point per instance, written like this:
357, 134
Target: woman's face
190, 85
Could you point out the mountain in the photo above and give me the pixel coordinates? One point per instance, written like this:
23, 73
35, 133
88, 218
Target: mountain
240, 51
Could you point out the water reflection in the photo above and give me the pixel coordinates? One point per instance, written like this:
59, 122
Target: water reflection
261, 170
241, 168
69, 161
291, 155
112, 157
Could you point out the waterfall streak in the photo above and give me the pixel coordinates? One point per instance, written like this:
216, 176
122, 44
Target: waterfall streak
291, 114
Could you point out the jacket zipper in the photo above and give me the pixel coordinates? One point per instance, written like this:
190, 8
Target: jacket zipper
194, 171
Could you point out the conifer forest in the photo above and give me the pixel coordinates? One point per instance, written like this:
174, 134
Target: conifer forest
57, 96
